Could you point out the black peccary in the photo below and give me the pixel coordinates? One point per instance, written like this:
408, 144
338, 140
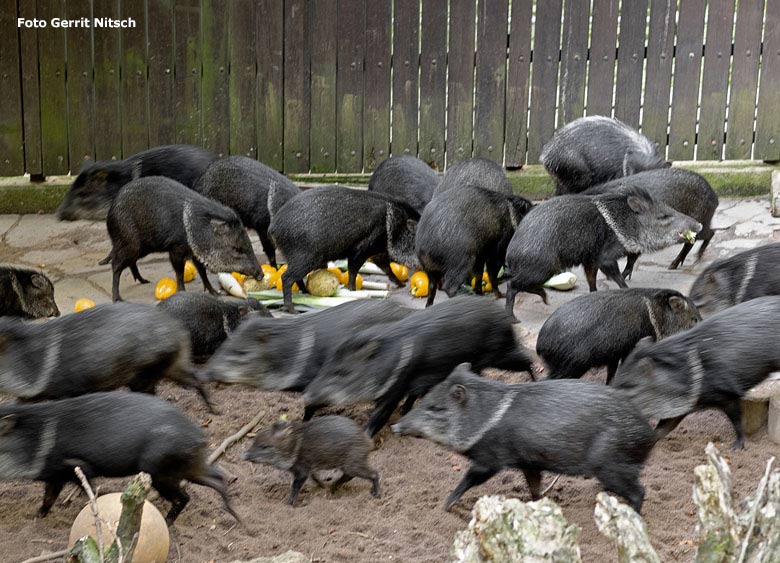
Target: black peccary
742, 277
302, 448
407, 178
600, 329
209, 319
107, 435
97, 184
157, 214
251, 189
593, 231
285, 353
480, 172
682, 190
333, 222
408, 357
26, 292
709, 366
569, 427
465, 232
593, 150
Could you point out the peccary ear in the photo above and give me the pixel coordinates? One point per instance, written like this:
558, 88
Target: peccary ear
677, 304
38, 281
458, 393
644, 343
7, 424
411, 226
638, 204
464, 367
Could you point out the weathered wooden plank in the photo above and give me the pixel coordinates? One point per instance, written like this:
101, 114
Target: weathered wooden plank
376, 99
433, 82
31, 93
187, 85
744, 79
544, 81
135, 134
11, 124
54, 109
406, 54
270, 70
660, 49
715, 80
631, 59
241, 57
601, 74
162, 125
324, 29
460, 81
215, 101
687, 66
81, 125
574, 60
768, 118
296, 86
518, 73
349, 85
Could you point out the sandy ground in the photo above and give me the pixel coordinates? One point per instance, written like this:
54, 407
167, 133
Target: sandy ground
408, 523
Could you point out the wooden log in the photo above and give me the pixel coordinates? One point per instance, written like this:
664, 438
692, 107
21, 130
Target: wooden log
621, 524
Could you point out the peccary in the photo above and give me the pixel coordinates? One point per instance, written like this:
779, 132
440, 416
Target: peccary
26, 292
209, 319
407, 178
99, 349
107, 435
682, 190
252, 189
464, 232
709, 366
600, 329
334, 222
592, 231
742, 277
285, 354
480, 172
158, 214
302, 448
408, 357
570, 427
593, 150
97, 184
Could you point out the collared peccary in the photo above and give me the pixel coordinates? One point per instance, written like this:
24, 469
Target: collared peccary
333, 222
742, 277
408, 357
593, 150
570, 427
682, 190
99, 349
157, 214
107, 435
600, 329
97, 184
461, 234
407, 178
251, 189
285, 354
209, 319
709, 366
593, 231
481, 172
302, 448
26, 292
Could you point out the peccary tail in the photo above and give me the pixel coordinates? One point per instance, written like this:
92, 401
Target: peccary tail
213, 478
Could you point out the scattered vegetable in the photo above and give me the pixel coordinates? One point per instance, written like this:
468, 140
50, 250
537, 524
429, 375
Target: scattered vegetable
268, 269
690, 236
279, 283
400, 271
419, 284
322, 283
82, 304
563, 282
487, 287
165, 288
230, 284
240, 278
189, 271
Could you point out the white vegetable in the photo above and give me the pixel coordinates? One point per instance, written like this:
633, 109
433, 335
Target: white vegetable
272, 297
366, 268
376, 285
231, 285
563, 282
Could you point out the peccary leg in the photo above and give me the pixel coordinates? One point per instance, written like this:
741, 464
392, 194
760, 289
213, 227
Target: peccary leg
215, 480
268, 246
408, 403
513, 361
171, 492
477, 272
50, 494
383, 261
476, 475
612, 271
540, 292
118, 268
534, 480
298, 481
136, 274
590, 274
666, 425
309, 411
434, 279
623, 481
382, 413
511, 294
345, 478
353, 268
733, 410
681, 256
178, 259
204, 277
611, 371
493, 267
705, 236
288, 279
629, 269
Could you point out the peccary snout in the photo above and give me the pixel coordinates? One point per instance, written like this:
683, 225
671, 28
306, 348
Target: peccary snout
26, 292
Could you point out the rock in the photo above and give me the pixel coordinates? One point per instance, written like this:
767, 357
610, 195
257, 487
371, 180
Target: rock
287, 557
754, 416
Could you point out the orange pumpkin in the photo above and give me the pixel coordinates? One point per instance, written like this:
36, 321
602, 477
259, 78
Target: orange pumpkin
165, 288
189, 271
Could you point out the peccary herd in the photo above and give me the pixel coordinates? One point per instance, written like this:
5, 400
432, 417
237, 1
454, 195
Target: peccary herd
666, 354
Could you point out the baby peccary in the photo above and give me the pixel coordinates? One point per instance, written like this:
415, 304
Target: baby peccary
333, 222
570, 427
251, 189
593, 231
209, 319
683, 191
742, 277
480, 172
97, 184
26, 292
302, 448
285, 354
106, 435
158, 214
600, 329
709, 366
407, 178
462, 233
593, 150
408, 357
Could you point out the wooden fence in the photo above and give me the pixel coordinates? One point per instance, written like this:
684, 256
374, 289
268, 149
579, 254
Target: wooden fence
337, 85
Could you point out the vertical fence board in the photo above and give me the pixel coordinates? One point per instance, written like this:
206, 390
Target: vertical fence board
685, 93
31, 93
376, 101
160, 61
518, 72
460, 81
296, 86
54, 109
660, 49
11, 124
406, 54
135, 134
768, 118
544, 82
81, 127
241, 85
349, 85
215, 101
744, 79
715, 79
324, 29
574, 59
631, 61
270, 88
187, 71
433, 67
601, 74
